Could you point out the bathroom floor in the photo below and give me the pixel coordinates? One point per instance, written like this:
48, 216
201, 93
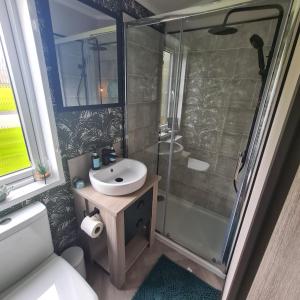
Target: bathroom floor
99, 279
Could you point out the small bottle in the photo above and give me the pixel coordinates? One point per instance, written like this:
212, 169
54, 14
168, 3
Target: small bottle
96, 162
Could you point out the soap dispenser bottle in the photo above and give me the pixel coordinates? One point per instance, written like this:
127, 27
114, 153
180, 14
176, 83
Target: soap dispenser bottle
96, 162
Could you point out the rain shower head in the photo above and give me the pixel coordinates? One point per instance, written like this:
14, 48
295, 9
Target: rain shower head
222, 30
256, 41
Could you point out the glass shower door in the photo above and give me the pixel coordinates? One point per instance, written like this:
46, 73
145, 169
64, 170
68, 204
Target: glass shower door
217, 92
192, 215
209, 88
169, 118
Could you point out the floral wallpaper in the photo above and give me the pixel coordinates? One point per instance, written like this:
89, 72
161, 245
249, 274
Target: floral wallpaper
130, 7
78, 131
60, 207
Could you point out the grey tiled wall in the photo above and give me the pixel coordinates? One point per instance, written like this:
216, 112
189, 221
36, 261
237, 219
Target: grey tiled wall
221, 91
144, 58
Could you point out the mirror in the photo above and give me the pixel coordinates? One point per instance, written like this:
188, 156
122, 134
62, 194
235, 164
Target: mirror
87, 54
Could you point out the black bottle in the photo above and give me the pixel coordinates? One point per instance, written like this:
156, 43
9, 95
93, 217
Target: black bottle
96, 162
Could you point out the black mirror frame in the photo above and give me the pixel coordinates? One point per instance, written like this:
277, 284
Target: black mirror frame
44, 16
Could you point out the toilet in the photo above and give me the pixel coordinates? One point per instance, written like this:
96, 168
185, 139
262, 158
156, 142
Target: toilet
29, 267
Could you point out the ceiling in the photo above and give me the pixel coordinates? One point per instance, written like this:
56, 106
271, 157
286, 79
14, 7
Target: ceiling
162, 6
81, 8
65, 16
165, 6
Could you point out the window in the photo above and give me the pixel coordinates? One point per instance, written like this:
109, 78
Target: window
166, 88
26, 116
14, 154
168, 102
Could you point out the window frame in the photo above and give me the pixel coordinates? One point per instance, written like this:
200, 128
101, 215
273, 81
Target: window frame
20, 96
33, 98
179, 103
164, 127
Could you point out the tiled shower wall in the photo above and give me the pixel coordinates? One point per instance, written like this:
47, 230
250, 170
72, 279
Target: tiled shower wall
221, 92
144, 62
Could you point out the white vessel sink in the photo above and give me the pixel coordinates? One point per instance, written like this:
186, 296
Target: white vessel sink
121, 178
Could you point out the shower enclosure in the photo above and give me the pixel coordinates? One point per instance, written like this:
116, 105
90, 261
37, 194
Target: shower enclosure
196, 98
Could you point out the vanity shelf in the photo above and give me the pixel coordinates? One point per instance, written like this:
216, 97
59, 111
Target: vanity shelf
132, 252
134, 249
116, 257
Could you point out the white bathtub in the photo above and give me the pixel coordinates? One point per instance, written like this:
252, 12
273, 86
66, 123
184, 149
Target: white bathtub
197, 229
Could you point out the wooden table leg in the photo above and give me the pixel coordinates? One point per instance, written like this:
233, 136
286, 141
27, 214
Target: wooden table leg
154, 213
116, 247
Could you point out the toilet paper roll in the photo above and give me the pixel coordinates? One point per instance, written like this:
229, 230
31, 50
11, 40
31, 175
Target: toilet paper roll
92, 226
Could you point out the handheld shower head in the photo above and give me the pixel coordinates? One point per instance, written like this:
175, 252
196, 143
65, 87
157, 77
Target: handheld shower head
256, 41
258, 44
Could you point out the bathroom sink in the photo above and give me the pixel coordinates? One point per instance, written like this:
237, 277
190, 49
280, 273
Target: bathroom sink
164, 148
121, 178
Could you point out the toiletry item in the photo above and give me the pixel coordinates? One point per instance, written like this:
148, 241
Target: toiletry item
92, 226
105, 161
105, 155
96, 162
78, 183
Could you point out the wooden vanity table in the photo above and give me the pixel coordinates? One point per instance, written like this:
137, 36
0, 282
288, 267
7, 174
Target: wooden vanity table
112, 252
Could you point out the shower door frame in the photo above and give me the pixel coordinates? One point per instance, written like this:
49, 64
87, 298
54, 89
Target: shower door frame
267, 106
287, 80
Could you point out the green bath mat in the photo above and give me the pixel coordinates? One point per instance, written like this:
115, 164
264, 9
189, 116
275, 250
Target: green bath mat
168, 281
